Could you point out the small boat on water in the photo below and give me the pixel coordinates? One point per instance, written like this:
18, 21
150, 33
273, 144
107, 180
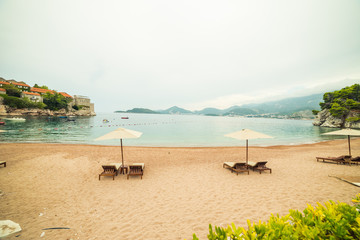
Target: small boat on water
124, 117
105, 121
18, 119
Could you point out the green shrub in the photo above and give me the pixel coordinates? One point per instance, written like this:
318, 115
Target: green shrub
19, 103
331, 221
11, 90
55, 101
353, 119
337, 110
315, 112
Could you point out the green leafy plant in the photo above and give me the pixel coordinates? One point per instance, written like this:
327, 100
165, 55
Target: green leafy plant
329, 221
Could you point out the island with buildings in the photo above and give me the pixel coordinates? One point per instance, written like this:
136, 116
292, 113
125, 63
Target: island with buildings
20, 99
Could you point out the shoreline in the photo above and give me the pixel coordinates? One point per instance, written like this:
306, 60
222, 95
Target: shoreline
183, 190
241, 144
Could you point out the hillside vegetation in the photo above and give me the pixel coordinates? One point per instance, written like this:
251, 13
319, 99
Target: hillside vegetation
341, 102
340, 108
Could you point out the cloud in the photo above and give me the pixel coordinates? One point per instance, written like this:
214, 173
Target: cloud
156, 54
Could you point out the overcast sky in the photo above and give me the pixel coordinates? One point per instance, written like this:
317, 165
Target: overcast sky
189, 53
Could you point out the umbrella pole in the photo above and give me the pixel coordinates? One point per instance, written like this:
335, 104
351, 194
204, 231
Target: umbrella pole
122, 155
247, 151
349, 145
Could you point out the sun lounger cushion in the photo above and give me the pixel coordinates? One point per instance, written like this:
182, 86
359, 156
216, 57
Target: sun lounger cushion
117, 165
139, 164
252, 164
229, 164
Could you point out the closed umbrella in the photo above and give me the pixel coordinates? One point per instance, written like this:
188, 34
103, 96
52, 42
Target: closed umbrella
120, 133
345, 132
247, 134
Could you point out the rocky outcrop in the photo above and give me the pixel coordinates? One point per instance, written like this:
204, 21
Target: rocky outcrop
325, 119
7, 111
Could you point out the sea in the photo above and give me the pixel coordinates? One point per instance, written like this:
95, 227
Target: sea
161, 130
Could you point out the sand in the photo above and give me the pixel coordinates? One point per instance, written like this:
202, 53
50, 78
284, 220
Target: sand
182, 190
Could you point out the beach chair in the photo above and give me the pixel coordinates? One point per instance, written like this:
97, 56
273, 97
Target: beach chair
355, 160
237, 167
259, 166
111, 169
341, 159
136, 169
3, 163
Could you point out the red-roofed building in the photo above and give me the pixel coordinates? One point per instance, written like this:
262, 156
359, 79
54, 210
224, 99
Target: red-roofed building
2, 83
65, 95
21, 86
2, 91
35, 97
41, 90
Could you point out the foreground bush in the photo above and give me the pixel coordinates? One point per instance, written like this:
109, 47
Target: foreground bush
331, 221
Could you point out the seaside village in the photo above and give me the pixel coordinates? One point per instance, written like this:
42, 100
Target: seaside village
36, 95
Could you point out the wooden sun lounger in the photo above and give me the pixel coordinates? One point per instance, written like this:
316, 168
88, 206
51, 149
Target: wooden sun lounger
237, 167
3, 163
110, 170
259, 166
355, 160
136, 169
345, 159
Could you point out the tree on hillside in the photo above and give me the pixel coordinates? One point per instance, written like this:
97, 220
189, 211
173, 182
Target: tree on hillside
342, 101
55, 101
43, 86
11, 90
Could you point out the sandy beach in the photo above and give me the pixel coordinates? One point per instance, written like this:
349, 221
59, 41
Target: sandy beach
182, 190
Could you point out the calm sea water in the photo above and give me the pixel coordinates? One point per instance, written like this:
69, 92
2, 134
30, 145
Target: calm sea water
162, 130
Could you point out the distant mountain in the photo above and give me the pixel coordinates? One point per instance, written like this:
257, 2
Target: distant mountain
141, 110
215, 111
288, 105
297, 107
210, 111
239, 111
175, 110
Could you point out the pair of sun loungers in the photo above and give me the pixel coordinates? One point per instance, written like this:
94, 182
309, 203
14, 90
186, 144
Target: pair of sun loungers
343, 159
113, 169
3, 163
239, 167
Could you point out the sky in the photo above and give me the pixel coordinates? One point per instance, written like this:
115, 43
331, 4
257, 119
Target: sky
190, 53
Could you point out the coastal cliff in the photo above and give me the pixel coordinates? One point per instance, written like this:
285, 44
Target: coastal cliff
325, 119
19, 99
6, 111
340, 109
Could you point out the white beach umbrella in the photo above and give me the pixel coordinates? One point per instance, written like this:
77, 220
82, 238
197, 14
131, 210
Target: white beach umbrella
345, 132
247, 134
120, 133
